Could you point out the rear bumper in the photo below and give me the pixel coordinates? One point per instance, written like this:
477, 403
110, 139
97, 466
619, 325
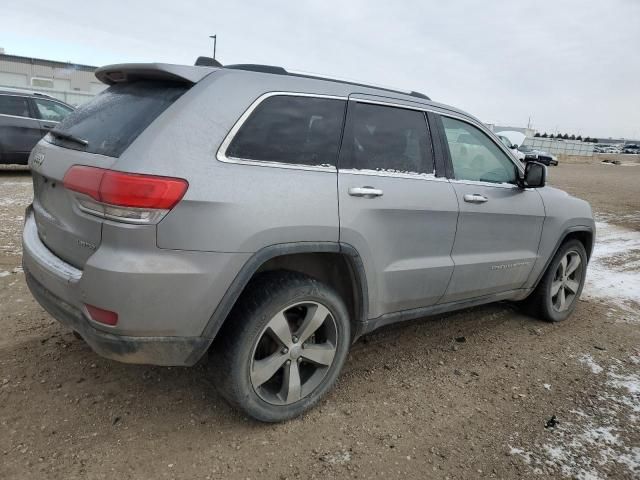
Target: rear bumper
169, 351
164, 299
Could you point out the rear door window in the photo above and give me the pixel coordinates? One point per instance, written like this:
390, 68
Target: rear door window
386, 139
114, 118
291, 129
14, 105
51, 111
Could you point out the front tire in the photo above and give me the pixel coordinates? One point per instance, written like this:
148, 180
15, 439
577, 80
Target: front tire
282, 347
556, 296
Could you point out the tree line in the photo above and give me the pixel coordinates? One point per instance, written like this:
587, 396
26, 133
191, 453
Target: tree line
566, 136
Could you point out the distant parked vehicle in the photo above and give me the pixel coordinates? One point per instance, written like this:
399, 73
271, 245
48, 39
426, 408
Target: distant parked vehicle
513, 147
25, 117
631, 148
534, 155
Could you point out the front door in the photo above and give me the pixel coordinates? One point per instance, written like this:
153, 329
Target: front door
394, 210
500, 224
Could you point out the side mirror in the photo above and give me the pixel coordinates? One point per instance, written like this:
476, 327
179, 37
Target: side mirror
535, 175
514, 147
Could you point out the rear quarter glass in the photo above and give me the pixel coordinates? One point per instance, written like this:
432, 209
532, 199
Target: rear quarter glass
114, 119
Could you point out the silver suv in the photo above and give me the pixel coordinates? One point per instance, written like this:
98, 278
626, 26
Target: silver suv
270, 219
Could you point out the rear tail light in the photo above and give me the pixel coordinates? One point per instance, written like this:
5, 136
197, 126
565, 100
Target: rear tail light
101, 315
126, 197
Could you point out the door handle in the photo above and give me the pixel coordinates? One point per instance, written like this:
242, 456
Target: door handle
47, 127
368, 192
475, 198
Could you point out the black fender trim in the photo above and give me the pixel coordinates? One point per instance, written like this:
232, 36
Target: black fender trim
565, 234
267, 253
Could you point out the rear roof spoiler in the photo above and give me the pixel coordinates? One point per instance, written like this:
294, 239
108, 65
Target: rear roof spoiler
129, 72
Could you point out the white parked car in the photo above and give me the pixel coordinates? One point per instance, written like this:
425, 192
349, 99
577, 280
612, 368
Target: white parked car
513, 147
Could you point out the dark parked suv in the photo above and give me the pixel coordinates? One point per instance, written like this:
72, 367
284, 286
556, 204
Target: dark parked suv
25, 117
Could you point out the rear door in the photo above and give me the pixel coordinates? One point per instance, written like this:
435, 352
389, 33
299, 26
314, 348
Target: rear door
499, 225
394, 208
19, 131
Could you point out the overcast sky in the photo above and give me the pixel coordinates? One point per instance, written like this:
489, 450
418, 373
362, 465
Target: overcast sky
572, 66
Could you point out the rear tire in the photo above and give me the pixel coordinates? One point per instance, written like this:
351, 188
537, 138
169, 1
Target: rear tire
282, 347
557, 294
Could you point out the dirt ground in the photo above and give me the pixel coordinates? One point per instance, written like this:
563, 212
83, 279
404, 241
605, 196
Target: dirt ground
487, 392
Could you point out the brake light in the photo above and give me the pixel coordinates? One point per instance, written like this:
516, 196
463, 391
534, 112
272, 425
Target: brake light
130, 197
101, 315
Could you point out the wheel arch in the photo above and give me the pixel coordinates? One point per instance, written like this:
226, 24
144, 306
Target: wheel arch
582, 233
326, 261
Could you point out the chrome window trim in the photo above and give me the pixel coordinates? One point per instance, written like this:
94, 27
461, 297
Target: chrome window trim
388, 104
19, 116
413, 176
222, 151
484, 184
221, 155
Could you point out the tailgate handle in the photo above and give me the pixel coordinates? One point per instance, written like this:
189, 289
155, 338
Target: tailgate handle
475, 198
367, 192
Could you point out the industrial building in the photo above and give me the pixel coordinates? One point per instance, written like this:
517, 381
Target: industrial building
70, 82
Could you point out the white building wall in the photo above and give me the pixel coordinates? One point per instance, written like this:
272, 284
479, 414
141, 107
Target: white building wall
74, 84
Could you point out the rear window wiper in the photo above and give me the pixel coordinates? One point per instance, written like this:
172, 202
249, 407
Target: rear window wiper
68, 136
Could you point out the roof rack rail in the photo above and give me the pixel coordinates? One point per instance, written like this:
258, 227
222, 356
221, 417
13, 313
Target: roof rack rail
253, 67
281, 71
413, 93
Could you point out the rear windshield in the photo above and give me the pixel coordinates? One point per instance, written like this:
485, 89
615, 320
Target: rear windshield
114, 119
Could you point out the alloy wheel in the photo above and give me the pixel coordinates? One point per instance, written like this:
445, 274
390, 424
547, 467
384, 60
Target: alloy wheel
566, 281
294, 353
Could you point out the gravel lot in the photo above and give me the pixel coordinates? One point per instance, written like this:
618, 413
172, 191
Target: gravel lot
487, 392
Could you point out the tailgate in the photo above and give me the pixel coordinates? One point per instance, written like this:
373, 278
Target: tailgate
95, 135
70, 234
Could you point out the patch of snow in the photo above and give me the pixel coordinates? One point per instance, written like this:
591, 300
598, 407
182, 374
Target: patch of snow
4, 274
526, 456
612, 273
631, 459
587, 445
17, 184
547, 386
629, 381
588, 360
601, 435
338, 458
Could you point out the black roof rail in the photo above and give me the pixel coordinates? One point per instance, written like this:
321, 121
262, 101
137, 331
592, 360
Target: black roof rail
253, 67
281, 71
413, 93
